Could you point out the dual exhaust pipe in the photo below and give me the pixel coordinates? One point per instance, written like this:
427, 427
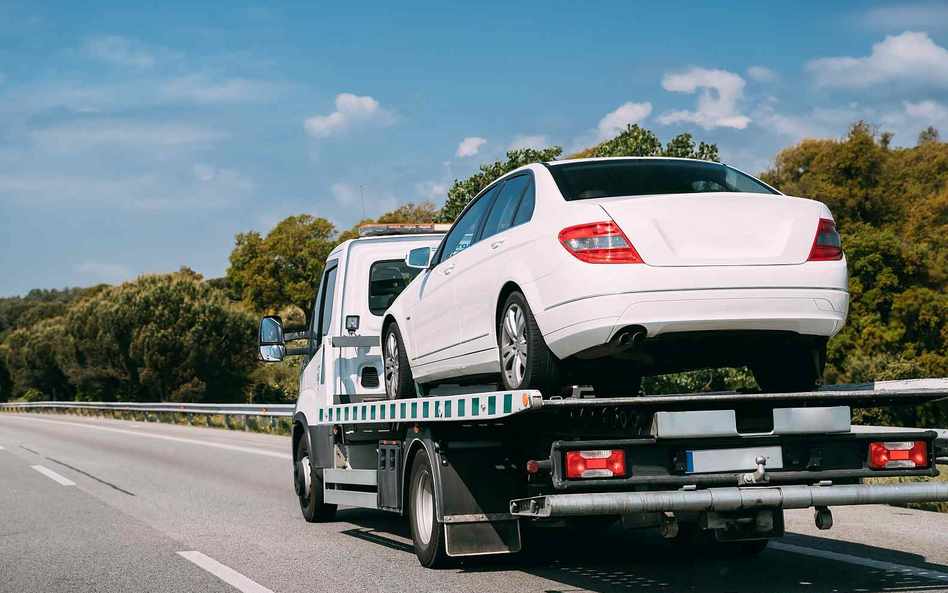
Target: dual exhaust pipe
628, 336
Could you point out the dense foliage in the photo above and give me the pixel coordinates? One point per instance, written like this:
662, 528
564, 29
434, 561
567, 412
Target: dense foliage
177, 337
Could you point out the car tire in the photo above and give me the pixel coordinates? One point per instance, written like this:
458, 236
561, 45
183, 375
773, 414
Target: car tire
525, 360
399, 383
310, 493
792, 371
611, 381
427, 533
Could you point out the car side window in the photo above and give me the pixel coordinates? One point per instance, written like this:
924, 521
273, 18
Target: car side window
525, 211
325, 301
462, 235
501, 216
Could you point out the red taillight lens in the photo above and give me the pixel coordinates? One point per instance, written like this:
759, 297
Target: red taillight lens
599, 243
595, 464
826, 245
898, 455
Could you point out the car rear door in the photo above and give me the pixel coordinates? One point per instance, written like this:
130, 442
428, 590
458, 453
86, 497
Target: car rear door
480, 266
434, 314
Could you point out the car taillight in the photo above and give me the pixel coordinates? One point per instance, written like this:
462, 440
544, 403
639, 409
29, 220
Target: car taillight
895, 455
595, 464
826, 245
599, 243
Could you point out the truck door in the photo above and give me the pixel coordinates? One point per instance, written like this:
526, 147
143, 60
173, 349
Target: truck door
314, 374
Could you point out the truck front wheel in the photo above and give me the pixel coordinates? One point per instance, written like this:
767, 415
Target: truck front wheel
308, 483
426, 532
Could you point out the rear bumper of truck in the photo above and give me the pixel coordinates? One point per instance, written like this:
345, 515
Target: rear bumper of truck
726, 499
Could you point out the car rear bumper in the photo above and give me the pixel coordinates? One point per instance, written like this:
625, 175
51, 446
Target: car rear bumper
806, 311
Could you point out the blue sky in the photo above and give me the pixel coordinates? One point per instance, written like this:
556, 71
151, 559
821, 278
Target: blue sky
138, 138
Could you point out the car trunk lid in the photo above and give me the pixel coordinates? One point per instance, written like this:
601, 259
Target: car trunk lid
717, 229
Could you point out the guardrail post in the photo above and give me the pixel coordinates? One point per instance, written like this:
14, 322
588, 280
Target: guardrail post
273, 422
190, 418
227, 421
207, 420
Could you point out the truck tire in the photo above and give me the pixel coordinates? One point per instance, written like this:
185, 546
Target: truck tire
427, 533
399, 384
310, 493
792, 371
525, 360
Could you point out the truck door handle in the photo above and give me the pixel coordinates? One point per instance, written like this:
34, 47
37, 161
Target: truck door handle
497, 243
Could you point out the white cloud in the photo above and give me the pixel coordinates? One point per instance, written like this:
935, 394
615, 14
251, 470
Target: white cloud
206, 89
108, 272
536, 142
350, 109
909, 57
432, 190
469, 146
715, 109
616, 121
118, 50
95, 134
761, 74
224, 178
819, 122
915, 117
204, 172
928, 16
350, 199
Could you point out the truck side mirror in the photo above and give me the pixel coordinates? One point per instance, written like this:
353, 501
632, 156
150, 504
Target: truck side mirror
419, 257
270, 341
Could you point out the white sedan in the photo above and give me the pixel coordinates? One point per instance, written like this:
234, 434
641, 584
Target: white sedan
601, 271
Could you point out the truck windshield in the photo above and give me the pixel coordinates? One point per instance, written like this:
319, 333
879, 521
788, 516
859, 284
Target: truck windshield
387, 280
646, 177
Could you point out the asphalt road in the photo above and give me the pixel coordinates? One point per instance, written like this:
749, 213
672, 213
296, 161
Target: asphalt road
107, 505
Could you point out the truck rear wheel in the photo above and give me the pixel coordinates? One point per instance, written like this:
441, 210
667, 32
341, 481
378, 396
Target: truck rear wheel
308, 483
525, 360
427, 533
399, 384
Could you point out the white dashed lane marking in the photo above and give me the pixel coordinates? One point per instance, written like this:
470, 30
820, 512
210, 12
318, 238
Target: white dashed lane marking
892, 567
225, 573
53, 475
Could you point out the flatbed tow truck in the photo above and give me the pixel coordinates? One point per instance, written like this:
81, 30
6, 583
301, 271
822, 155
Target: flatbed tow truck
471, 467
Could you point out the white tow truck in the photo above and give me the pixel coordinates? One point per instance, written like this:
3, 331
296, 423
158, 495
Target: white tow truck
471, 466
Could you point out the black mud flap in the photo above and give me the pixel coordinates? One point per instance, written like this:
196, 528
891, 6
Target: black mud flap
486, 537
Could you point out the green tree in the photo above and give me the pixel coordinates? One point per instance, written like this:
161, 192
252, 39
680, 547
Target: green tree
928, 135
462, 192
165, 337
637, 141
32, 358
283, 268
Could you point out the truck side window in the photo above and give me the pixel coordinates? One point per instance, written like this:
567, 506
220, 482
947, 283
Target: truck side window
325, 299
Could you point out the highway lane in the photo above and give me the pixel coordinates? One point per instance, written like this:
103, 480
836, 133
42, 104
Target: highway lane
145, 493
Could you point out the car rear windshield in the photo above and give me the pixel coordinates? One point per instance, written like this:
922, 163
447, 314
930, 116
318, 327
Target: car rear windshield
387, 280
646, 177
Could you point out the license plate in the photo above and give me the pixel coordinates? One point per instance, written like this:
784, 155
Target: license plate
730, 460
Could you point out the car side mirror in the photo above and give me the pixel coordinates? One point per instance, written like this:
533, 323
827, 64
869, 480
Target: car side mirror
419, 257
271, 345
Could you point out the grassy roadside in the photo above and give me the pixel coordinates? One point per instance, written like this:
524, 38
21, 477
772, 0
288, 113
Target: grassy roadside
940, 507
267, 425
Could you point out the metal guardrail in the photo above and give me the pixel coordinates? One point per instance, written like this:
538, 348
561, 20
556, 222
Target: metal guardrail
272, 411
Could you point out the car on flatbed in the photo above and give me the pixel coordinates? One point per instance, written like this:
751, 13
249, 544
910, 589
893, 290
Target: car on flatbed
601, 271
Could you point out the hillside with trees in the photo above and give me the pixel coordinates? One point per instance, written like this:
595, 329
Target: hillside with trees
178, 337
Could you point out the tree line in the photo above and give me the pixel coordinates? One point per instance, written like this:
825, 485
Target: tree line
179, 337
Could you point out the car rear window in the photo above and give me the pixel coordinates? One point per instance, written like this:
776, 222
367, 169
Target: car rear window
607, 179
387, 280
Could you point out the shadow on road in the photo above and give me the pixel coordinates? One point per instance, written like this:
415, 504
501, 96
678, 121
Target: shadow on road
625, 560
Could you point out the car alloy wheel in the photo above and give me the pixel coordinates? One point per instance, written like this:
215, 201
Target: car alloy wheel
513, 345
391, 365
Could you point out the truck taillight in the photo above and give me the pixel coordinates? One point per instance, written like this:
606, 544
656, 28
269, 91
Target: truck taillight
599, 243
826, 245
896, 455
595, 464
